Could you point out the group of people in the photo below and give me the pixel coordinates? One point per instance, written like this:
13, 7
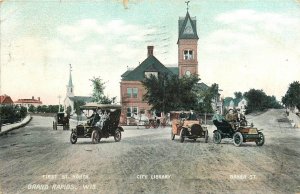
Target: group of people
230, 119
98, 118
190, 116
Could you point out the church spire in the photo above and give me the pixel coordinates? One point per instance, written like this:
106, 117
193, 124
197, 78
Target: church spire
187, 6
70, 77
70, 86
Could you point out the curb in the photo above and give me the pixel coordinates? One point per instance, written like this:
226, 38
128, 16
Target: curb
16, 127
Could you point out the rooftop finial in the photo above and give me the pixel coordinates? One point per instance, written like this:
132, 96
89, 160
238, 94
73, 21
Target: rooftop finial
187, 5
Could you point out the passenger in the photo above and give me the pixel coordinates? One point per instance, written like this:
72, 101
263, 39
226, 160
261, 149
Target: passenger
192, 116
182, 115
220, 122
231, 118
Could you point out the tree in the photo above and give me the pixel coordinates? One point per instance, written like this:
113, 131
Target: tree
98, 92
238, 95
207, 97
166, 93
32, 109
258, 100
292, 96
77, 105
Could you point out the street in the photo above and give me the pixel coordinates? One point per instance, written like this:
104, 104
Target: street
37, 159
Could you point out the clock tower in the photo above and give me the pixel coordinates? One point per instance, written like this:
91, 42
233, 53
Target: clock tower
187, 45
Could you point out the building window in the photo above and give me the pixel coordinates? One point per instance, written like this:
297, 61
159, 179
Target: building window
128, 114
129, 92
131, 111
132, 92
188, 54
149, 73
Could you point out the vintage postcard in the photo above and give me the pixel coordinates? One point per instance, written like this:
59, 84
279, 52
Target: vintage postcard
149, 96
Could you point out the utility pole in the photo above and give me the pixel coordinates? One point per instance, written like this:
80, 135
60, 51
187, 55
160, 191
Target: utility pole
59, 97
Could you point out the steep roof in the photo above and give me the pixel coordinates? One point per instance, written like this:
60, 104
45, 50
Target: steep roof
5, 99
148, 65
174, 70
227, 101
187, 27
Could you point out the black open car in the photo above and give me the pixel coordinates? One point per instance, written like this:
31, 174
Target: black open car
103, 123
61, 119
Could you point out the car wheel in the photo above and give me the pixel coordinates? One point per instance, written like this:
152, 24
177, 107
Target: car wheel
206, 136
237, 139
217, 138
261, 139
172, 135
95, 136
118, 135
182, 135
73, 138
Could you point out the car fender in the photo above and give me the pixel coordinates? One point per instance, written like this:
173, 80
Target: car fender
121, 129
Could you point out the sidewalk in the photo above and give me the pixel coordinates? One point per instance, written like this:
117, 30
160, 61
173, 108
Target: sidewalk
6, 128
295, 120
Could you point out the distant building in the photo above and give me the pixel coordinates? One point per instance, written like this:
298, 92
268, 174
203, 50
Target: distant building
6, 100
28, 102
235, 103
70, 99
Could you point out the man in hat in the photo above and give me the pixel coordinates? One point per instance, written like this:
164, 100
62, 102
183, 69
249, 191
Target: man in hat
231, 118
192, 115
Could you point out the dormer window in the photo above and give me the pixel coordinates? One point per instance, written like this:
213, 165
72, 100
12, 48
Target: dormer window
188, 55
149, 73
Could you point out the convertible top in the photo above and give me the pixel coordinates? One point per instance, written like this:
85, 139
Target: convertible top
93, 105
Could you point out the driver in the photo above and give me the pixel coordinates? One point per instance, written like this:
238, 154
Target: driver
231, 118
94, 118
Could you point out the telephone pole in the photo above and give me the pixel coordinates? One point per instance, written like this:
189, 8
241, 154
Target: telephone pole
59, 97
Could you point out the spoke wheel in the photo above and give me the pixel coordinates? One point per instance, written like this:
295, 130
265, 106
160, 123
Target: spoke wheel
261, 139
73, 138
118, 135
206, 136
217, 138
237, 139
182, 132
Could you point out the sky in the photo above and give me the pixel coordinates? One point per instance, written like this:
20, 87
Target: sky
242, 44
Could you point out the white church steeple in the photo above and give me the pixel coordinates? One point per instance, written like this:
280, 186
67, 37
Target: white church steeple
70, 86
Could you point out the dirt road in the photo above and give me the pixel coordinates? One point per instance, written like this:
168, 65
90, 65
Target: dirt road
36, 159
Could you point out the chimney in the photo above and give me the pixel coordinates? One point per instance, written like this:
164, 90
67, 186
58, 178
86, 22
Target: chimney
150, 50
32, 97
39, 99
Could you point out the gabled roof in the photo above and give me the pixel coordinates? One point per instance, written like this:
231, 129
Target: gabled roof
148, 65
5, 100
227, 101
189, 23
174, 70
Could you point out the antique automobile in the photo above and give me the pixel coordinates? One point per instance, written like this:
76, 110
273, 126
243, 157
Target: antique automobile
61, 119
241, 132
185, 128
107, 124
